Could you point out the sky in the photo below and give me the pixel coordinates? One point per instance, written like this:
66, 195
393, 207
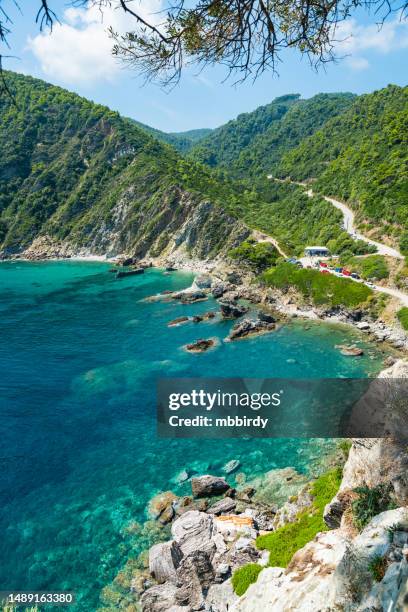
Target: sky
76, 55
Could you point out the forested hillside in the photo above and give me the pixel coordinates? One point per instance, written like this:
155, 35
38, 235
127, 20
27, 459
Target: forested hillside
361, 156
253, 144
78, 172
182, 141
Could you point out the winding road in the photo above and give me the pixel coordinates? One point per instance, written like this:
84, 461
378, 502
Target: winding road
348, 222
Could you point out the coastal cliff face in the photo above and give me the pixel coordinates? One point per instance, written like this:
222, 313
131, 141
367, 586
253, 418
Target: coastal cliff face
78, 179
358, 561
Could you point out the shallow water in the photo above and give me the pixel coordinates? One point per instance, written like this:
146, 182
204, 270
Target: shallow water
79, 355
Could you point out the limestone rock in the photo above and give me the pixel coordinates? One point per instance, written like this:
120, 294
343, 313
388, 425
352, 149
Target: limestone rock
194, 576
249, 327
164, 560
203, 281
200, 346
222, 506
159, 598
205, 486
193, 531
221, 597
161, 507
230, 310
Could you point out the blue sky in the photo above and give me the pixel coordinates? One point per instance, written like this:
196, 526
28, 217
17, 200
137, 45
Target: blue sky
76, 56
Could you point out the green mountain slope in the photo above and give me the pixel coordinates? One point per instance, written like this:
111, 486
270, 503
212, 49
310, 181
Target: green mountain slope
253, 144
361, 156
80, 174
182, 141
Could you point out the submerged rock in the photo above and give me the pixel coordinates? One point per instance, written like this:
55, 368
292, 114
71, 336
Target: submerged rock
177, 321
248, 327
266, 317
200, 346
204, 317
203, 281
161, 507
350, 351
205, 486
230, 310
218, 289
231, 466
190, 296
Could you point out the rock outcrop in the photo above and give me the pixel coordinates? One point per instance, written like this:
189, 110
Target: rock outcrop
205, 486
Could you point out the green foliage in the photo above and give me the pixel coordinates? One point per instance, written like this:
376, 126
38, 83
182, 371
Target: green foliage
361, 157
244, 576
402, 315
370, 502
67, 164
345, 446
253, 144
258, 256
320, 288
224, 145
374, 266
285, 541
377, 567
182, 141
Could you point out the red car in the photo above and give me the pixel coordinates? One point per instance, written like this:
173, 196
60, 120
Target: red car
323, 264
346, 272
324, 271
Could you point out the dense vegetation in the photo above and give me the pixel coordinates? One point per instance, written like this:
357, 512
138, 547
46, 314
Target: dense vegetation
402, 315
285, 541
257, 255
73, 169
182, 141
370, 502
67, 164
320, 288
373, 266
361, 156
244, 576
252, 145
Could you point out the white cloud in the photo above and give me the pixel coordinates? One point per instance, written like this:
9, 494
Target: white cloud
358, 63
78, 50
353, 40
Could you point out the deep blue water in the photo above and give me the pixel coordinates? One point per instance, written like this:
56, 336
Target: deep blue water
79, 355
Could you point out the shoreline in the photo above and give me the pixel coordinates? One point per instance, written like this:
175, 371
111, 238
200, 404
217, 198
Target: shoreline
286, 305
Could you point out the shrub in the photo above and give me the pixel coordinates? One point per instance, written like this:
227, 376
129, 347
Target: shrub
245, 576
345, 446
373, 266
285, 541
259, 256
377, 567
370, 502
321, 288
402, 315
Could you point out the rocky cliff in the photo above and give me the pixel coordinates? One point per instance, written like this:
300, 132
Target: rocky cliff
357, 562
77, 178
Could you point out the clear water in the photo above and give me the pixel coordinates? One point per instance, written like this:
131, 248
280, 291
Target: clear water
79, 355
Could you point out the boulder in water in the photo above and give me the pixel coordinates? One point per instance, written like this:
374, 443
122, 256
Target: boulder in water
205, 486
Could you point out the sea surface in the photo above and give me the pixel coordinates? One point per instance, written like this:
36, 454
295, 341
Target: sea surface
80, 352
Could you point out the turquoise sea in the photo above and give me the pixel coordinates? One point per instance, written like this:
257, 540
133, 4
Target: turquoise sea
79, 355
